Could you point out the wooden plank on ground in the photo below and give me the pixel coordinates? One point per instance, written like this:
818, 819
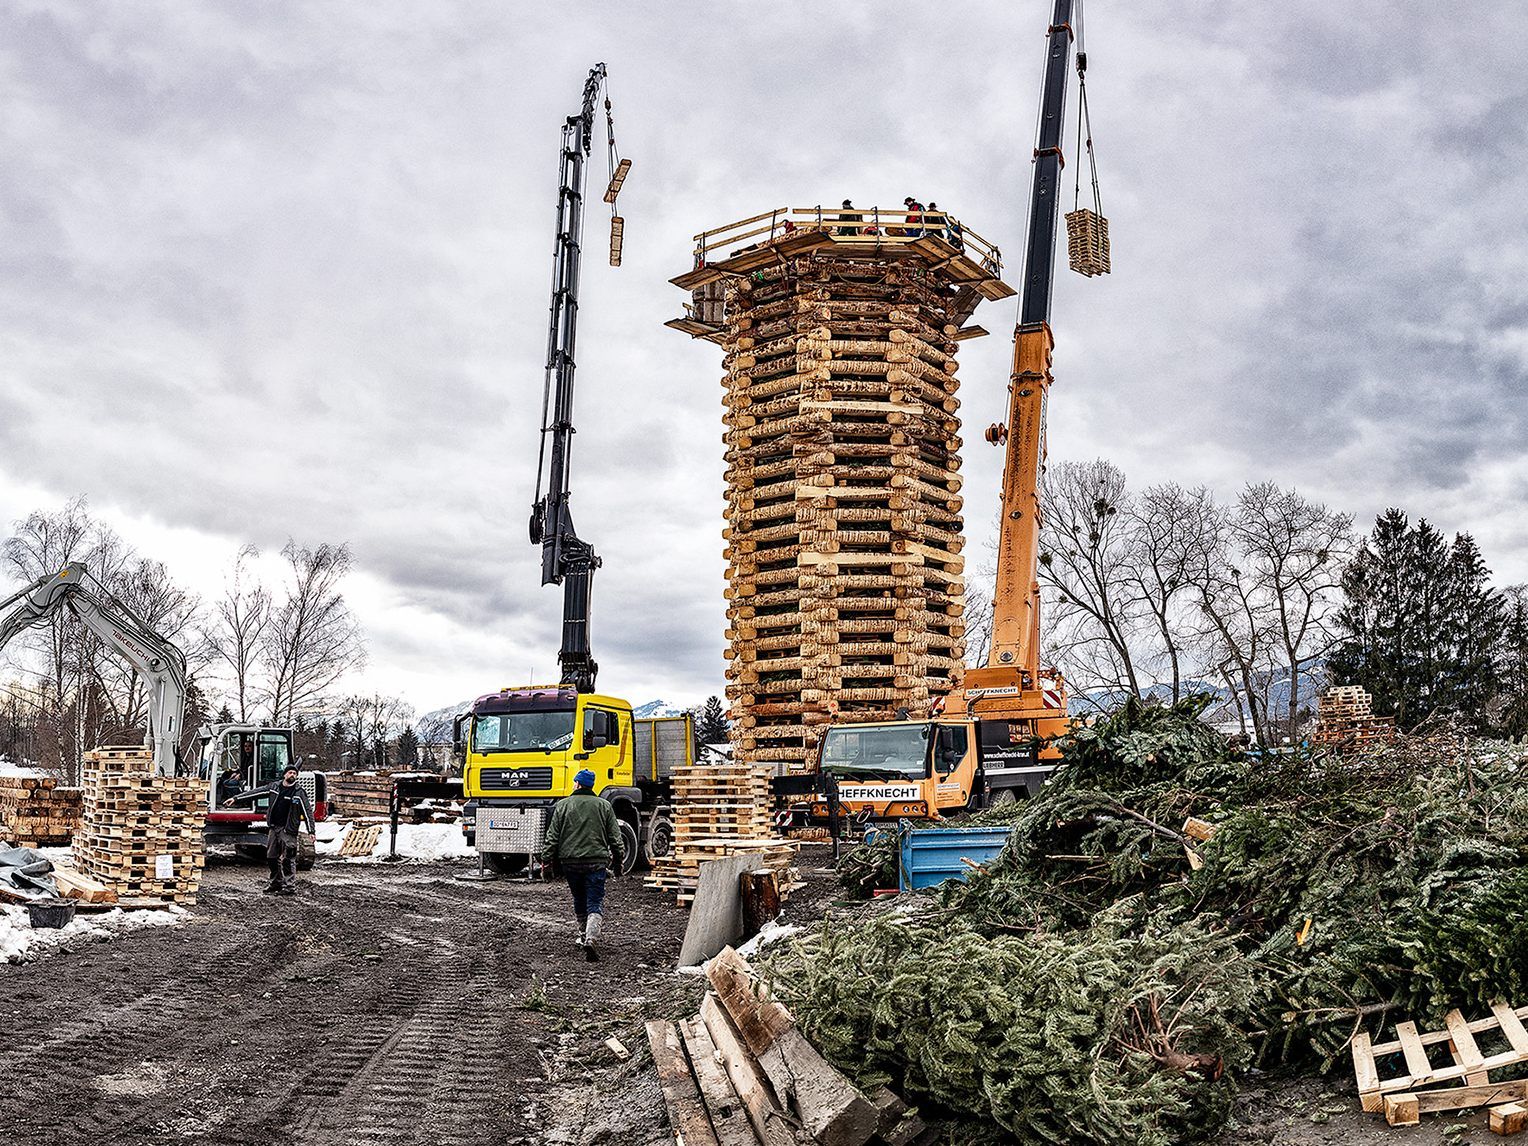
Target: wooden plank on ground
1466, 1051
830, 1108
1511, 1026
753, 1090
1417, 1065
75, 885
1465, 1097
1366, 1073
728, 1118
686, 1114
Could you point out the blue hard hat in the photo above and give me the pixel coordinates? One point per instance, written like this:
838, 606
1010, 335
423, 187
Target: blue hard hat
584, 779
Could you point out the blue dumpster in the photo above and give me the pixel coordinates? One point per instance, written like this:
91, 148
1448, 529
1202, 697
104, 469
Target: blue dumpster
932, 855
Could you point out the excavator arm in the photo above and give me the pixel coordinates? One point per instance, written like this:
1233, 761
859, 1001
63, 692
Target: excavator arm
161, 665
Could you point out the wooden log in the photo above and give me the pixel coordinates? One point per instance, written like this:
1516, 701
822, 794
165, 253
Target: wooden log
687, 1115
760, 891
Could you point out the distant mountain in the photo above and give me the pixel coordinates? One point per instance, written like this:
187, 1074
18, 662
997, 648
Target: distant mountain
641, 711
656, 708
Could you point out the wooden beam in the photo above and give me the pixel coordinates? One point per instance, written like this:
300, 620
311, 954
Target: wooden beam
687, 1116
753, 1089
728, 1118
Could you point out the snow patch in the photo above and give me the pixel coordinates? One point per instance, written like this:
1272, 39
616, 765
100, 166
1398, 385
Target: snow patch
422, 842
20, 942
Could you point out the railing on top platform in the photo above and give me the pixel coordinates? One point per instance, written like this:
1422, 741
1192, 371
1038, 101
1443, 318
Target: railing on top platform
871, 226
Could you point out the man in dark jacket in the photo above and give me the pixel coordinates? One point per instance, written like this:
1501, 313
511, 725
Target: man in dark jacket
284, 818
582, 842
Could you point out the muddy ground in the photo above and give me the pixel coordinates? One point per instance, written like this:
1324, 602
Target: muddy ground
400, 1006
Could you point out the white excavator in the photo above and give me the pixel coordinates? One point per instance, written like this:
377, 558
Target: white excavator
229, 757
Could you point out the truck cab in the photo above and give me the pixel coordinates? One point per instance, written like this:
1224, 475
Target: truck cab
890, 770
519, 750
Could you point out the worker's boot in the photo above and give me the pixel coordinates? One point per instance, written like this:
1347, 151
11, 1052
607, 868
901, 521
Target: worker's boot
591, 934
275, 884
582, 923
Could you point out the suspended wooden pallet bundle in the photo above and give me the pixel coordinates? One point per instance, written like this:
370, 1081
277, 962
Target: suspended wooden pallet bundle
845, 577
1087, 242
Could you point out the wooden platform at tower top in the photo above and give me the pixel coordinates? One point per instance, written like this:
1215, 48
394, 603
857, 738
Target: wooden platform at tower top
950, 250
844, 538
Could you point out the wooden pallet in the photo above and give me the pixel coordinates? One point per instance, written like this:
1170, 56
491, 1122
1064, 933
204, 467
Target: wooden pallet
1425, 1086
360, 840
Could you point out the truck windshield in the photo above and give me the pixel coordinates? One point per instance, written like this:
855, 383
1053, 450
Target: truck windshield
895, 749
523, 732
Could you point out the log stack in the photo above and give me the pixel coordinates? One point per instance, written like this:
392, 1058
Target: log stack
721, 809
845, 583
36, 813
141, 833
1345, 718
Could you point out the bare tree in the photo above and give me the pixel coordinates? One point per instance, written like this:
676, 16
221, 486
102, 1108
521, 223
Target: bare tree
1169, 524
41, 545
235, 632
1296, 550
434, 741
372, 722
1085, 542
312, 640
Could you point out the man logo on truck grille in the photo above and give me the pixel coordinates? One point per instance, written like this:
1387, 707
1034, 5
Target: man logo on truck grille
518, 779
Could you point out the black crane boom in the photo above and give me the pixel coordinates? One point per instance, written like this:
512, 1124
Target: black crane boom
1045, 196
566, 559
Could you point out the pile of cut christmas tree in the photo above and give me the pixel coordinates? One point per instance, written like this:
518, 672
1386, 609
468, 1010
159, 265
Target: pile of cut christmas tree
1109, 976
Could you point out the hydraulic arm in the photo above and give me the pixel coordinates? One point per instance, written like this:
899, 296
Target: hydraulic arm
567, 559
161, 665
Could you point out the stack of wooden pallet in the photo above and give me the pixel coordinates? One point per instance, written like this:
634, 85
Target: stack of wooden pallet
1345, 717
1087, 242
141, 834
741, 1073
1400, 1079
35, 812
721, 809
357, 795
844, 533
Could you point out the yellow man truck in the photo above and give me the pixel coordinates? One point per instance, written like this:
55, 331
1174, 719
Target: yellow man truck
519, 749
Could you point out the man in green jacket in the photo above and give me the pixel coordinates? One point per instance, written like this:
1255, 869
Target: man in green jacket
582, 842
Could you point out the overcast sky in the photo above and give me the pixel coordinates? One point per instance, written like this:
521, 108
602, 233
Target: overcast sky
281, 270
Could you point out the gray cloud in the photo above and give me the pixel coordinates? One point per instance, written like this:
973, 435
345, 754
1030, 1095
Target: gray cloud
282, 272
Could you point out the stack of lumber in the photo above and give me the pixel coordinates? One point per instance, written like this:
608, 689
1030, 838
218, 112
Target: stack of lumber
1344, 716
740, 1073
35, 812
845, 584
721, 809
141, 834
1402, 1080
356, 795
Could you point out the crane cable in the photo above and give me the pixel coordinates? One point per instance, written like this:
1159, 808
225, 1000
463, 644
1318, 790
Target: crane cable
1084, 139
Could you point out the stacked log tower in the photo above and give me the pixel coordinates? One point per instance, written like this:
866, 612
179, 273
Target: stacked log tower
845, 574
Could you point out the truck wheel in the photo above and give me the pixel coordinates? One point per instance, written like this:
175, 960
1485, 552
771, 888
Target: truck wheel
1003, 797
307, 852
631, 846
507, 863
660, 836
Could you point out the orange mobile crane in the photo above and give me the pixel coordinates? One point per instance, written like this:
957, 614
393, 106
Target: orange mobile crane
995, 739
